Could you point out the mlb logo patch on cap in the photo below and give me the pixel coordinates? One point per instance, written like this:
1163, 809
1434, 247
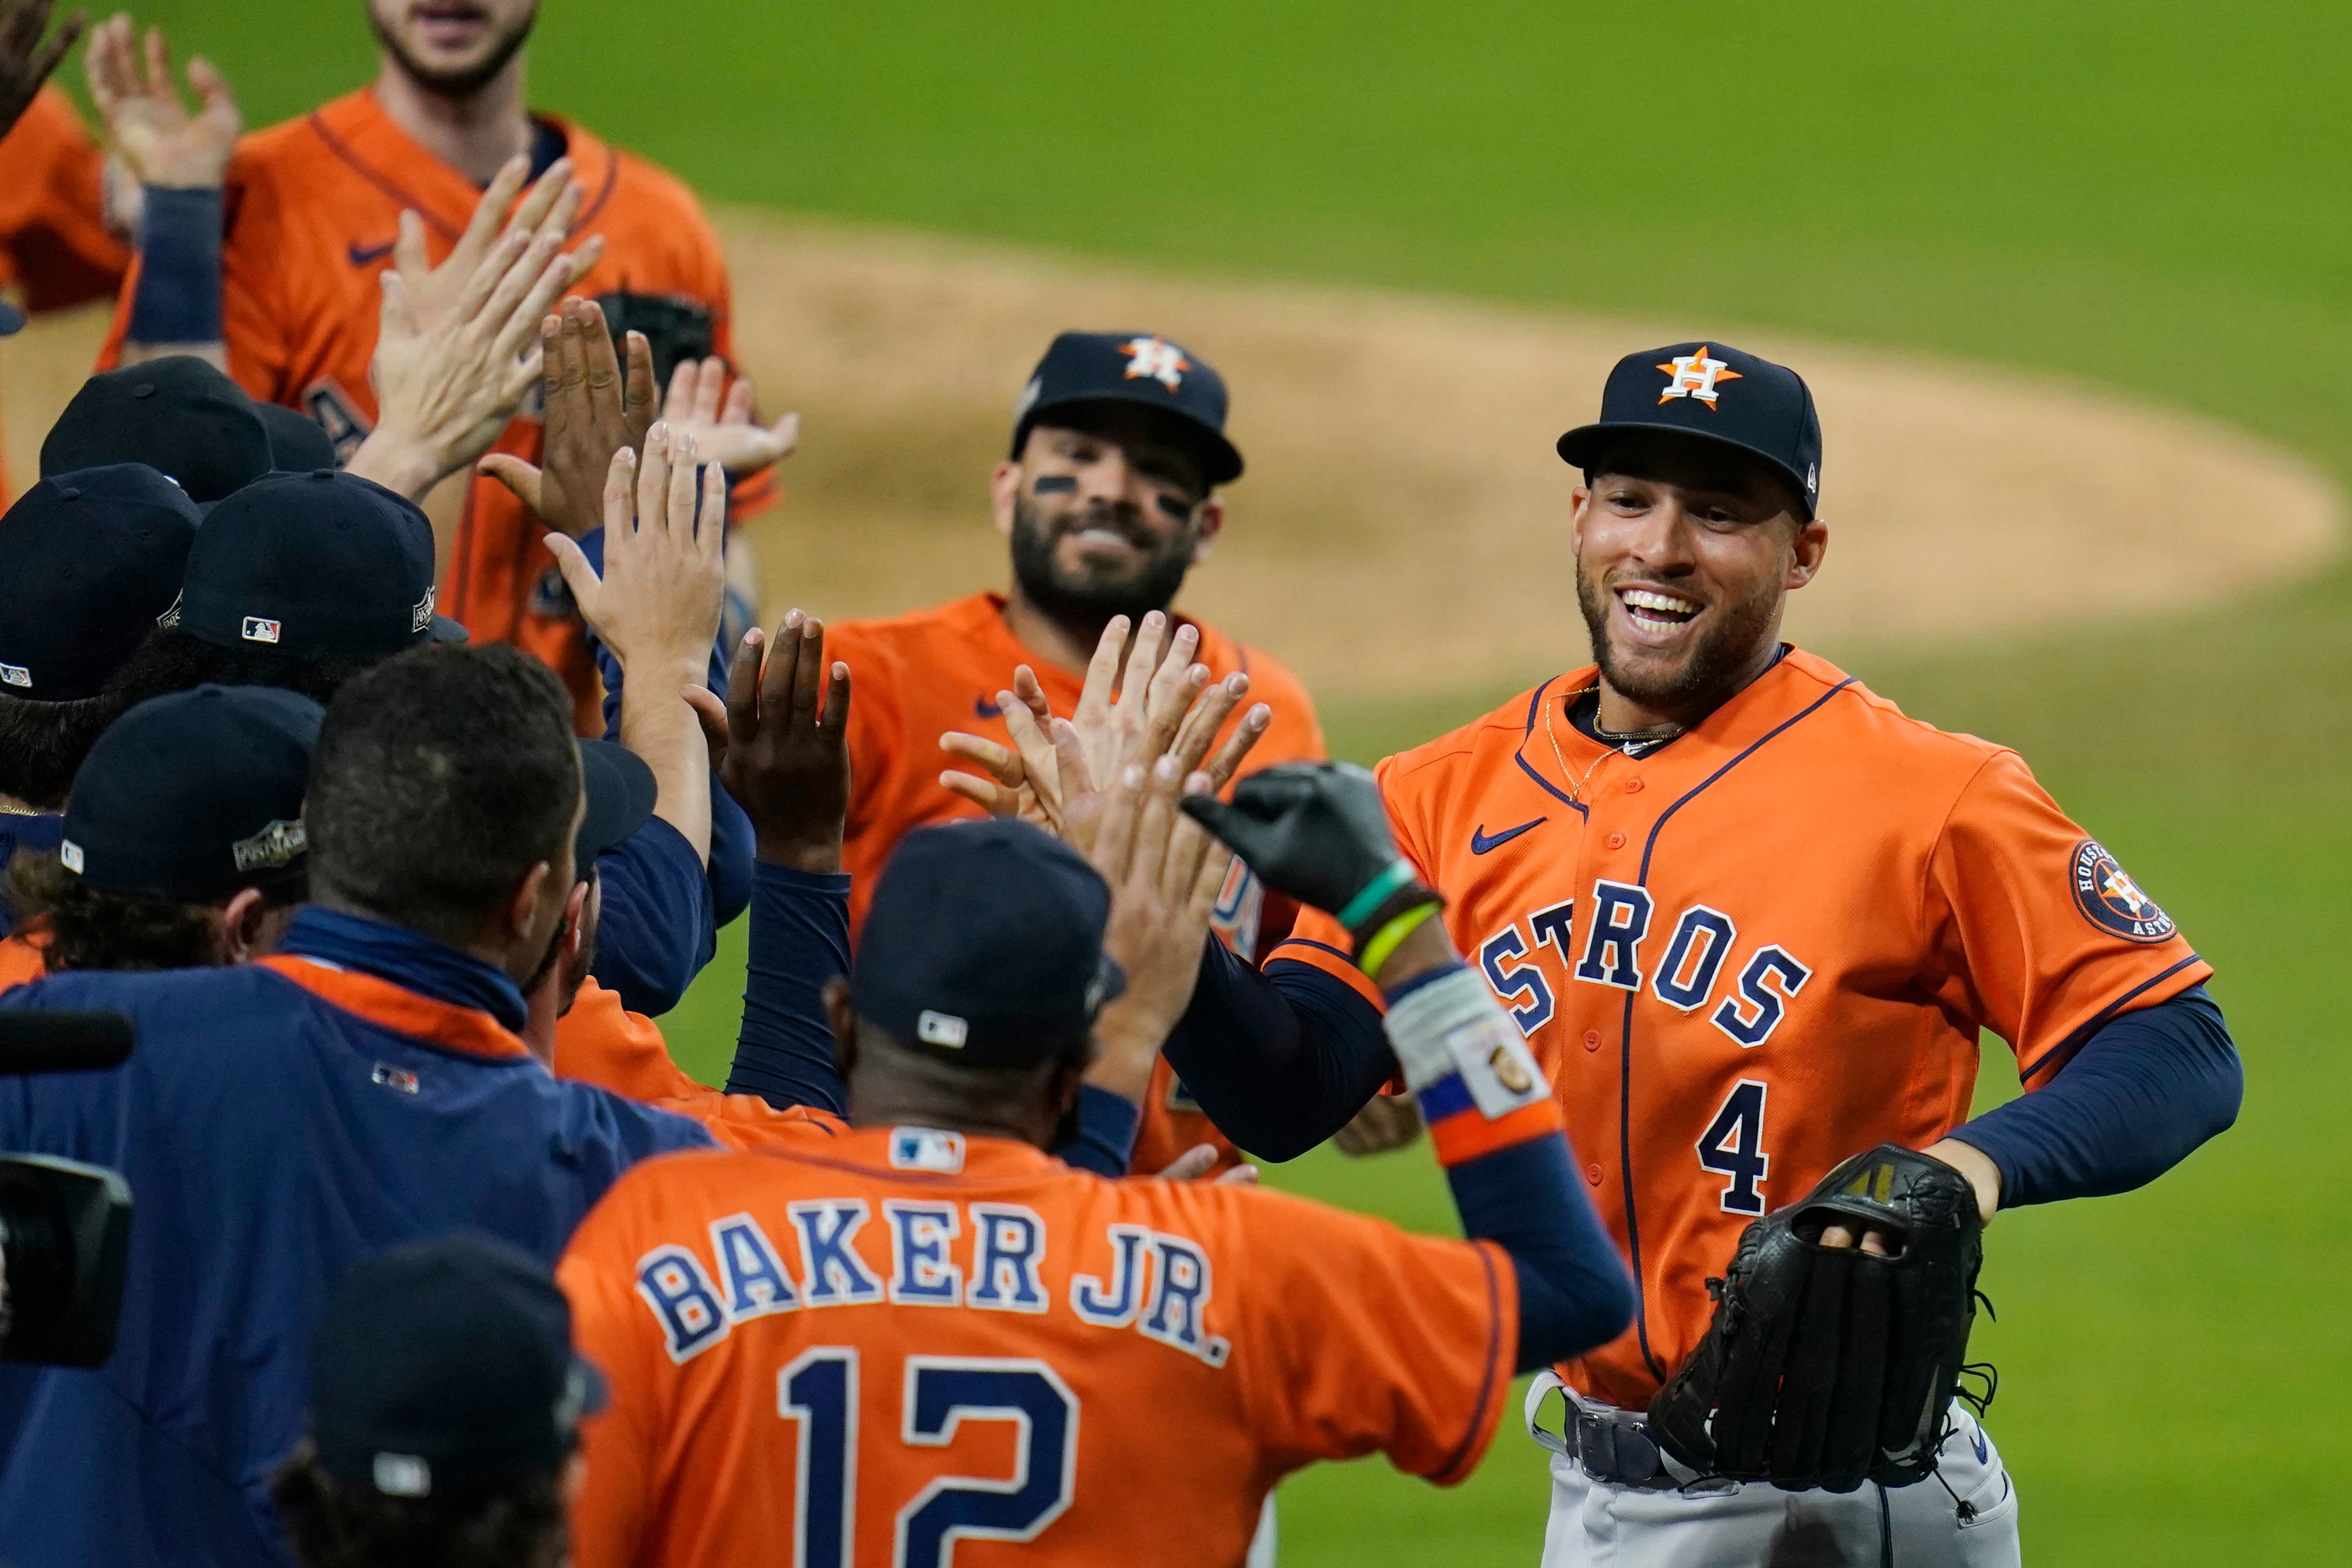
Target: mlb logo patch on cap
926, 1149
16, 676
257, 630
942, 1028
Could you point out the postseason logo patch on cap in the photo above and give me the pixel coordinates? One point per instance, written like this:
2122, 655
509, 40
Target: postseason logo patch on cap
275, 845
420, 614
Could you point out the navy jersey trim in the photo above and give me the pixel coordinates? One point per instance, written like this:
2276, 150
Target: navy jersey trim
1462, 1452
1625, 1036
1347, 958
383, 183
1535, 707
2065, 1049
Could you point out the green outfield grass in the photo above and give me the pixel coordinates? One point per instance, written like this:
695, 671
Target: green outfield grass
2147, 196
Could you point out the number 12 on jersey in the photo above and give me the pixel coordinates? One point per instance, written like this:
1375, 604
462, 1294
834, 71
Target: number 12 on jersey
1733, 1145
819, 1391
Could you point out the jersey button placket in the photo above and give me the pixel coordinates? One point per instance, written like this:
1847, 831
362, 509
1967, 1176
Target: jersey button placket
1592, 1174
1593, 1039
1615, 841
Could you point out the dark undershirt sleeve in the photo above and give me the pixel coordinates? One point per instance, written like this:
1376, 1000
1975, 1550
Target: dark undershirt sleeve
2135, 1101
1103, 1137
1279, 1060
799, 940
1574, 1292
655, 930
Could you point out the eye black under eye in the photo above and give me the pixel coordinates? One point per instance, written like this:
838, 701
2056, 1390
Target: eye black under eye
1175, 506
1053, 485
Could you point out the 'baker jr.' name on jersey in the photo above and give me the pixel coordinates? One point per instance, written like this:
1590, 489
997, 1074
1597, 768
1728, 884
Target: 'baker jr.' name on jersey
1620, 921
976, 1256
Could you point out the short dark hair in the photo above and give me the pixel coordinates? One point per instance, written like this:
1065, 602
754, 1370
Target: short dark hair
520, 1525
42, 745
92, 928
172, 661
442, 776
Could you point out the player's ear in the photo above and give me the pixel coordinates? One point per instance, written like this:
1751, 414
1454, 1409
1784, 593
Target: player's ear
521, 914
240, 925
843, 1019
1579, 499
1213, 519
1003, 489
1811, 543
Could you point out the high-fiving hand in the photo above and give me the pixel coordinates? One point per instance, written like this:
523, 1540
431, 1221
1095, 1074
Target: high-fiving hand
783, 740
158, 141
26, 62
591, 412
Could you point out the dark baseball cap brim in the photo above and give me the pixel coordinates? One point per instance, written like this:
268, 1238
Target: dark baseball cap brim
1221, 460
447, 630
621, 794
1584, 447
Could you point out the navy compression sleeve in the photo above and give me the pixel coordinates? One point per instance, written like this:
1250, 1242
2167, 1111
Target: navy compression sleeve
1104, 1137
654, 932
177, 299
799, 940
1574, 1292
2134, 1101
1279, 1060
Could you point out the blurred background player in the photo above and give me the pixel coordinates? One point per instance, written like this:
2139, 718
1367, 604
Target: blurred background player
969, 1339
55, 249
267, 251
1107, 497
445, 1401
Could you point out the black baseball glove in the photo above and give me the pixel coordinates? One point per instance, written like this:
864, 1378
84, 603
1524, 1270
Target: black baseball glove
1315, 830
1828, 1366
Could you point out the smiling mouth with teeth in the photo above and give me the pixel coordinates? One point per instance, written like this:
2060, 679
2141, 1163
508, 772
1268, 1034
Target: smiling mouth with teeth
1657, 612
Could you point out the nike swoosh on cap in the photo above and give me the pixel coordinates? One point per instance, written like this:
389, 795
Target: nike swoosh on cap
369, 255
1480, 843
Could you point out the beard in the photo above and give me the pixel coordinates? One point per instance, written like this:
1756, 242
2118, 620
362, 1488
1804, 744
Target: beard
1085, 599
461, 81
1707, 673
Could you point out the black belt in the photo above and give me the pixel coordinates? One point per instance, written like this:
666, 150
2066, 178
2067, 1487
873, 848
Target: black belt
1615, 1447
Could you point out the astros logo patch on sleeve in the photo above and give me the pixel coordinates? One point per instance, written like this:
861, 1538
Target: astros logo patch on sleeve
2110, 900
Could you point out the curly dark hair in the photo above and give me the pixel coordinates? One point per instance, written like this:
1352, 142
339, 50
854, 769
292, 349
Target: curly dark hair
42, 745
89, 929
518, 1526
172, 661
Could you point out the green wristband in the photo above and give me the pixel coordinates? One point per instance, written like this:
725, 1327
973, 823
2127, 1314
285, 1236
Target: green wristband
1360, 908
1389, 938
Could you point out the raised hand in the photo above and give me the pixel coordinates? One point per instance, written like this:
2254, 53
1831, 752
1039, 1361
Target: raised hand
435, 293
591, 412
786, 751
1316, 831
657, 605
719, 418
445, 395
157, 139
26, 62
1164, 874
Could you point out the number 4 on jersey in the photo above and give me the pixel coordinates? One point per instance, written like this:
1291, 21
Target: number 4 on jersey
1733, 1145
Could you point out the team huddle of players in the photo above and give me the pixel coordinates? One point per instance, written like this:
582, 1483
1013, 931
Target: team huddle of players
414, 454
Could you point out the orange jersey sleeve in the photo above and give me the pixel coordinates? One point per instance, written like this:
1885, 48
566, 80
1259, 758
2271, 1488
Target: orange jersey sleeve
913, 1343
54, 243
600, 1042
2038, 934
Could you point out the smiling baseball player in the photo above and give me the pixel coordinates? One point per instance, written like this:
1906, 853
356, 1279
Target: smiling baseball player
1751, 919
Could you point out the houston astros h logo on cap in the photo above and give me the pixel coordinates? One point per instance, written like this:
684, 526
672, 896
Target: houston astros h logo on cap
1156, 358
1694, 375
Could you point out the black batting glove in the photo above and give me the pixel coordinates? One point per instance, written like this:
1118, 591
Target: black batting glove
1316, 831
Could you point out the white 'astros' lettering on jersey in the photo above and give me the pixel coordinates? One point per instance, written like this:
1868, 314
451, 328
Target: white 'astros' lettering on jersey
1620, 918
970, 1255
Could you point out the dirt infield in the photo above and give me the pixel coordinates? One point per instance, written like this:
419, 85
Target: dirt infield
1402, 526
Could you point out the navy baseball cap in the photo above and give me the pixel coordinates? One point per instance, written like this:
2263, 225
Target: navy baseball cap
92, 561
319, 565
621, 792
1716, 391
984, 945
1135, 368
194, 795
444, 1368
178, 414
298, 443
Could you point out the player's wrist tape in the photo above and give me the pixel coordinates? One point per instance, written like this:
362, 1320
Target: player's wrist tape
178, 300
1469, 1067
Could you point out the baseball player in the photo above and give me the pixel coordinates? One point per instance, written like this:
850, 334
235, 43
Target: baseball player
1108, 495
928, 1336
1751, 919
364, 1084
54, 247
277, 252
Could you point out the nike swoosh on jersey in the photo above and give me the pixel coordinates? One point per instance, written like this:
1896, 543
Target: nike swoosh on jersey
983, 708
1480, 843
369, 255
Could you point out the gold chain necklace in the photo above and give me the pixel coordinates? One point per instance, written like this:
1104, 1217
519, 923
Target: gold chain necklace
1575, 785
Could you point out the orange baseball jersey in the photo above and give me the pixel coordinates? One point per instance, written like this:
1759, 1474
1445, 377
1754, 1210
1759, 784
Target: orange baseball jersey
24, 957
311, 208
918, 675
600, 1042
913, 1347
1759, 949
54, 249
